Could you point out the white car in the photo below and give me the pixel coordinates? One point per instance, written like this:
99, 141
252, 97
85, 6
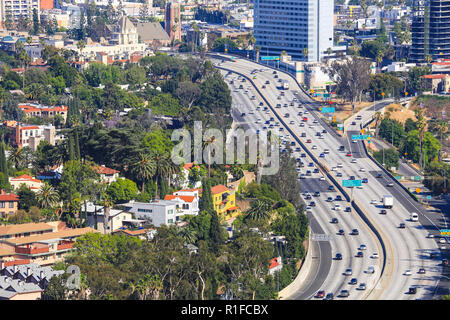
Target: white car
308, 209
322, 178
314, 147
373, 202
348, 272
353, 160
333, 168
374, 255
362, 170
326, 151
430, 235
362, 247
339, 165
371, 269
354, 141
442, 240
337, 207
407, 273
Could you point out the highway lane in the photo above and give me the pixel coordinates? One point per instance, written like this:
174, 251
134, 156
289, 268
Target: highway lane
401, 286
322, 214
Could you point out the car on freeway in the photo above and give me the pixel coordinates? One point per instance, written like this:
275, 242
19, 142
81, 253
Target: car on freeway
353, 160
373, 202
341, 232
300, 113
331, 188
348, 272
308, 173
278, 105
334, 220
352, 178
302, 124
326, 151
338, 256
324, 131
337, 207
263, 86
349, 154
304, 119
322, 155
339, 165
371, 269
412, 290
310, 164
353, 281
344, 293
316, 170
362, 247
291, 122
341, 148
365, 180
402, 226
374, 255
338, 198
442, 240
308, 141
390, 184
333, 168
243, 114
408, 273
308, 209
359, 254
421, 271
430, 235
330, 296
362, 170
354, 141
322, 178
355, 232
320, 294
303, 155
348, 209
379, 175
338, 174
330, 199
362, 286
315, 121
314, 147
312, 204
383, 211
353, 123
317, 194
306, 111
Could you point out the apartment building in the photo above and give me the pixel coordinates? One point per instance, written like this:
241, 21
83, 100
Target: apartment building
9, 203
41, 243
430, 30
172, 21
303, 28
31, 136
41, 111
12, 10
157, 212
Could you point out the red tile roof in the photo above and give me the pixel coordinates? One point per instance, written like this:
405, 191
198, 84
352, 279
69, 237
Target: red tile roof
434, 76
25, 177
219, 189
184, 198
8, 196
105, 170
274, 263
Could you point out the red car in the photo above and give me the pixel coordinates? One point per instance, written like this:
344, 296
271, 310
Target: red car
308, 141
349, 154
305, 119
320, 294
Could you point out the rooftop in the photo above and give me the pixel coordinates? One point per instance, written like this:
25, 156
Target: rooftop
22, 228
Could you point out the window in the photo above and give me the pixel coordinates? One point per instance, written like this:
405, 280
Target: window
2, 204
170, 221
170, 211
11, 204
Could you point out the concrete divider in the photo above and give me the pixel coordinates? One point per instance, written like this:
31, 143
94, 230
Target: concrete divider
305, 268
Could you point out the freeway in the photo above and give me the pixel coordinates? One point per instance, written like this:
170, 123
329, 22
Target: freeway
327, 276
409, 248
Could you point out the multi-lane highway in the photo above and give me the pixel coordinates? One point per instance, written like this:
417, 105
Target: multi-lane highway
407, 249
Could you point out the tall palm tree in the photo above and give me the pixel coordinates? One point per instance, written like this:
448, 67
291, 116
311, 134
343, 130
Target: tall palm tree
162, 167
188, 234
17, 157
47, 196
259, 210
377, 121
305, 53
421, 125
143, 167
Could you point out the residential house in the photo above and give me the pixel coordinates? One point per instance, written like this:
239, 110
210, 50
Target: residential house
41, 111
22, 135
107, 175
157, 212
276, 264
187, 204
8, 203
32, 183
115, 220
224, 201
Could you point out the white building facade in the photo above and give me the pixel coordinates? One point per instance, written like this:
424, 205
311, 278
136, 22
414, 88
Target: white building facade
293, 26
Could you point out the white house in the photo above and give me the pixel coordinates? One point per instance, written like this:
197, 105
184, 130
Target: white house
188, 204
32, 183
184, 183
157, 212
116, 217
276, 264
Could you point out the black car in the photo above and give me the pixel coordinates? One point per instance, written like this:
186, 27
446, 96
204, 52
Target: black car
312, 204
324, 131
242, 114
341, 232
329, 296
355, 232
316, 170
308, 197
383, 211
331, 188
274, 72
303, 155
421, 271
360, 254
330, 199
338, 256
353, 281
348, 209
352, 177
379, 175
402, 226
334, 220
341, 148
412, 290
338, 198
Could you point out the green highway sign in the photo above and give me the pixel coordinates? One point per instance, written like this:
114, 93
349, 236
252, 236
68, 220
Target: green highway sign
327, 109
270, 58
351, 183
416, 178
360, 137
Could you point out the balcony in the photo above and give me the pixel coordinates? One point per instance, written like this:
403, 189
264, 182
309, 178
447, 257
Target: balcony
64, 245
32, 249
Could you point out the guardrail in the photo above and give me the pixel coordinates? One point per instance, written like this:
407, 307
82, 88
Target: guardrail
294, 136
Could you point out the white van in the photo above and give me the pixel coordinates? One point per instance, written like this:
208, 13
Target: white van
414, 217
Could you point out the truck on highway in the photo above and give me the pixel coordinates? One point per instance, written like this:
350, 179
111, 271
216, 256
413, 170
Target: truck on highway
388, 201
285, 84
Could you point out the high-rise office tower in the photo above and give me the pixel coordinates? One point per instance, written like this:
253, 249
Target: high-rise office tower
172, 23
430, 30
302, 28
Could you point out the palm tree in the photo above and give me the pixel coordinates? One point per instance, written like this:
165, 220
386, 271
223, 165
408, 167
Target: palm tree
259, 210
143, 167
379, 59
206, 144
162, 168
188, 234
377, 121
421, 125
17, 157
428, 58
305, 53
47, 196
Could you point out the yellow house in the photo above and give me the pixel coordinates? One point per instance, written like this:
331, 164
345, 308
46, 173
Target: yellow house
224, 201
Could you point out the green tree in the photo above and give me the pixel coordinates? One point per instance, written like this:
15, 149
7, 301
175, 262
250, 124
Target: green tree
47, 196
143, 167
122, 190
390, 158
27, 198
